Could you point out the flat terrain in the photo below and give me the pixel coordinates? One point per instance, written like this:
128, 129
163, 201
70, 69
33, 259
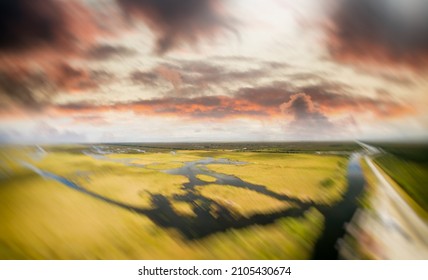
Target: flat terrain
135, 202
392, 221
411, 175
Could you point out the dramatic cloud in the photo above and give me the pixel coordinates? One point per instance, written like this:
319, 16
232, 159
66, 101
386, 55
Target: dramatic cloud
211, 107
308, 121
34, 90
189, 77
263, 102
68, 78
90, 65
383, 32
179, 22
27, 25
105, 52
29, 90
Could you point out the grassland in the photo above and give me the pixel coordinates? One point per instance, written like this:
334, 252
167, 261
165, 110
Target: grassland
239, 199
113, 180
297, 175
44, 219
206, 178
273, 147
167, 160
411, 175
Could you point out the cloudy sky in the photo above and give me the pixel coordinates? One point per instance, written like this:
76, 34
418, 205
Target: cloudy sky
213, 70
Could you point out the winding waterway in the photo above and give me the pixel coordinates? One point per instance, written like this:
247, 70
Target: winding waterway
338, 215
205, 221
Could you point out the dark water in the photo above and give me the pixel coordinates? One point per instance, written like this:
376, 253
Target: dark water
341, 213
191, 169
211, 217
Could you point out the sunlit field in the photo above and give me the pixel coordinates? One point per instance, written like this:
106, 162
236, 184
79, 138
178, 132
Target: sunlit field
120, 202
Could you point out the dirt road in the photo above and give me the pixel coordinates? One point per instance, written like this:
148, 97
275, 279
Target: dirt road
391, 229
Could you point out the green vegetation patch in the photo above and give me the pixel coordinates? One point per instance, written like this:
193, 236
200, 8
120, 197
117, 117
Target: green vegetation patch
412, 176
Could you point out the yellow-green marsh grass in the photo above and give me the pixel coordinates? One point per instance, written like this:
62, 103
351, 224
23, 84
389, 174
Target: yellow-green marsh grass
287, 238
206, 178
183, 208
164, 166
243, 201
135, 186
298, 175
44, 219
115, 180
156, 158
11, 158
67, 164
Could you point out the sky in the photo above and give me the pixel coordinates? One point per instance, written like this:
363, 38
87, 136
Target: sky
213, 70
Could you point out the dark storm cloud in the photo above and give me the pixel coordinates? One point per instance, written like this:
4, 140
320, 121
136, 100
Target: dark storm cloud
28, 25
382, 32
178, 22
105, 52
302, 108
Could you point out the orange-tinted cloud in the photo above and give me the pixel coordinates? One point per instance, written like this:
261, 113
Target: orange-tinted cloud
251, 103
380, 33
216, 107
171, 75
73, 79
43, 32
178, 22
90, 119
